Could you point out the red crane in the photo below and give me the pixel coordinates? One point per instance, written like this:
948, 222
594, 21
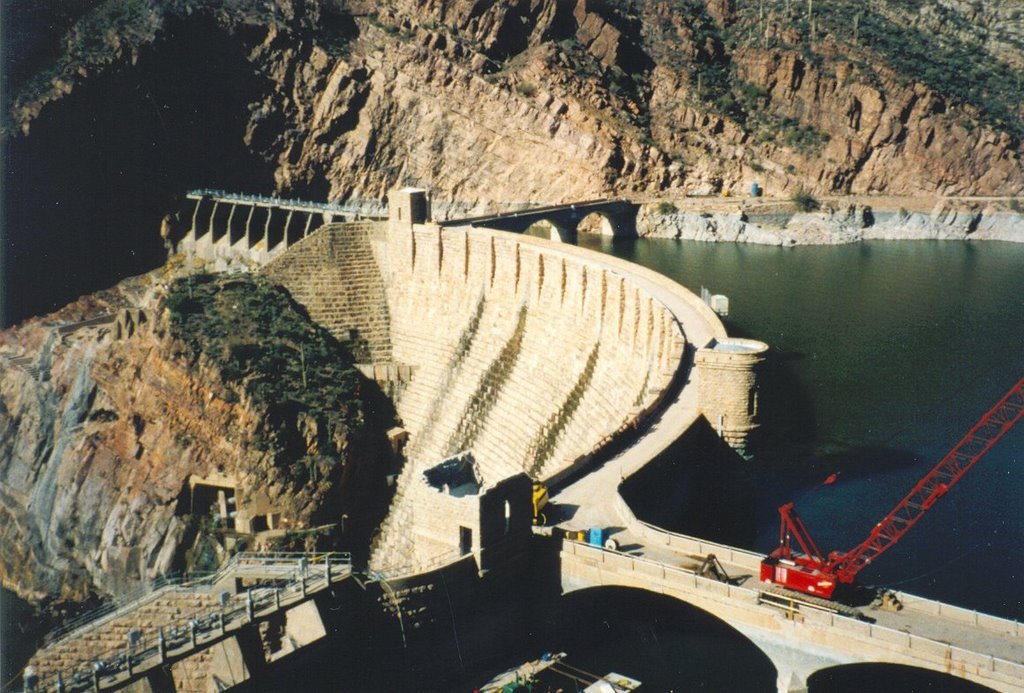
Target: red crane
808, 571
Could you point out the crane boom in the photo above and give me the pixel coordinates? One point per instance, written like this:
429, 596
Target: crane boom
989, 429
810, 572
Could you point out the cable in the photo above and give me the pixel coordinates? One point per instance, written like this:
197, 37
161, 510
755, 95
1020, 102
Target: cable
936, 569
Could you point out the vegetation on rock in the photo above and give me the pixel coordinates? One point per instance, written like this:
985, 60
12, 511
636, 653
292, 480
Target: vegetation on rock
805, 201
265, 347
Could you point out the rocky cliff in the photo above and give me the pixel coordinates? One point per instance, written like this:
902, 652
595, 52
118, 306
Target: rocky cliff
118, 105
108, 417
489, 104
550, 99
839, 220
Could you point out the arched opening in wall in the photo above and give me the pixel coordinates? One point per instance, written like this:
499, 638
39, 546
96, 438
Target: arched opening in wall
194, 216
597, 223
265, 225
551, 230
236, 223
665, 643
857, 678
294, 225
220, 221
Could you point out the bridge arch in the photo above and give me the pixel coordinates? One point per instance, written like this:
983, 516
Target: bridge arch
851, 678
600, 223
553, 229
667, 643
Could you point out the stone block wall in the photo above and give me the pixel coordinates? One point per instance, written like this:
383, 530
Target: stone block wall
529, 355
334, 274
727, 392
110, 636
588, 341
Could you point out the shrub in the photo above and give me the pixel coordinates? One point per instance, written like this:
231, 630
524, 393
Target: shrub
264, 344
527, 89
665, 208
805, 201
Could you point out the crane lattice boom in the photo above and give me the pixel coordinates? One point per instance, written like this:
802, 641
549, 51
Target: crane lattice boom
934, 485
810, 572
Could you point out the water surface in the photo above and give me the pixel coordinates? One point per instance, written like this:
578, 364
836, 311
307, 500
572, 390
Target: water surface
884, 354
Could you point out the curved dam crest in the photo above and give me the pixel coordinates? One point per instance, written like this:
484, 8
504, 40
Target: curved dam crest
532, 356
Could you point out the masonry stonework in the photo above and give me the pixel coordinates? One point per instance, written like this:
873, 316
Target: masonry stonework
728, 392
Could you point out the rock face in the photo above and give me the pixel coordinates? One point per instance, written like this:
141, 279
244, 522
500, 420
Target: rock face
104, 421
546, 100
495, 104
832, 225
486, 103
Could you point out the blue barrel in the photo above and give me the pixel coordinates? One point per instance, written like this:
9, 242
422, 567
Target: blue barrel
755, 190
596, 536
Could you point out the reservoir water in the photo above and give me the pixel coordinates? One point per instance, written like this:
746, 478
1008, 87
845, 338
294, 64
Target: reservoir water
884, 354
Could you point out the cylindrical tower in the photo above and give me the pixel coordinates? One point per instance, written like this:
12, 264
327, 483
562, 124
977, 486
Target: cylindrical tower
727, 390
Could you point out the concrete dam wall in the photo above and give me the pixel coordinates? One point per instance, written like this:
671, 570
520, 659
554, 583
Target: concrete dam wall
529, 355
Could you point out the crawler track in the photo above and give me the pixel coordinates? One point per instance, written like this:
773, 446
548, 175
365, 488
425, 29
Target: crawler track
793, 601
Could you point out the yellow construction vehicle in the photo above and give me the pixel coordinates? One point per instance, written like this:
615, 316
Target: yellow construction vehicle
540, 500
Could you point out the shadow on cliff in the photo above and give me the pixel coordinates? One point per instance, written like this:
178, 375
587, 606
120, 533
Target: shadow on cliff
85, 191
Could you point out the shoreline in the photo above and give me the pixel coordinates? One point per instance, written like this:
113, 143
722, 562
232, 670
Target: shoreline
836, 220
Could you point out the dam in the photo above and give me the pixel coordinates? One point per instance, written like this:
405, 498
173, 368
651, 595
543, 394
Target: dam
508, 356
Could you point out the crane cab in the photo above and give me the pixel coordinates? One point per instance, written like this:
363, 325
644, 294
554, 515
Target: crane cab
798, 573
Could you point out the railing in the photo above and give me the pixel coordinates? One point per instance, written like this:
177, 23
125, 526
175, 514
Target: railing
303, 574
127, 602
751, 560
355, 206
937, 652
531, 211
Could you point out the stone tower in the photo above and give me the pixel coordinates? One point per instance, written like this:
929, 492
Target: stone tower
727, 392
407, 206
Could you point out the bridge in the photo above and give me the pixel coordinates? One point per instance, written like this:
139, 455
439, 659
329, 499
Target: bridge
618, 218
255, 228
798, 635
228, 228
200, 629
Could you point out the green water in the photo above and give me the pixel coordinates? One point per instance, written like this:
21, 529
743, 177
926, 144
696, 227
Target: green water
883, 355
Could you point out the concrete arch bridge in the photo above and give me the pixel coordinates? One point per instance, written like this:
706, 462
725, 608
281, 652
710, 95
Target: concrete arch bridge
618, 218
800, 638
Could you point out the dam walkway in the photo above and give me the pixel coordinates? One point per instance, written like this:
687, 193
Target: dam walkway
125, 641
